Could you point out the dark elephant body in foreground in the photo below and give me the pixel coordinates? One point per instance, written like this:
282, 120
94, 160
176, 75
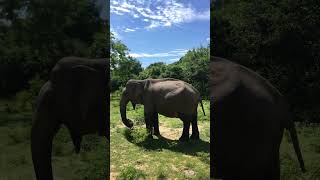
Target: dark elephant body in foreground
75, 96
169, 97
249, 116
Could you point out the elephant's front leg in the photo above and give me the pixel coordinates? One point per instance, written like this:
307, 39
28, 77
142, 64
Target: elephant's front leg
156, 130
149, 122
186, 125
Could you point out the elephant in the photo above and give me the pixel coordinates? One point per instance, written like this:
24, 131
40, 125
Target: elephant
76, 95
170, 97
248, 117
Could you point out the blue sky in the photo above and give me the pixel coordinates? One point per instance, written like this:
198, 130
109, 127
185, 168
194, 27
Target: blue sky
160, 30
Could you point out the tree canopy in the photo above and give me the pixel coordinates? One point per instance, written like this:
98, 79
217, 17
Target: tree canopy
279, 39
34, 35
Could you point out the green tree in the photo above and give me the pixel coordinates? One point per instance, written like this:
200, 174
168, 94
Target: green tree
122, 66
154, 70
36, 34
279, 40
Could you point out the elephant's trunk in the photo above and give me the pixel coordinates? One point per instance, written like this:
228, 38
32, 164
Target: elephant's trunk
44, 128
41, 147
42, 134
123, 110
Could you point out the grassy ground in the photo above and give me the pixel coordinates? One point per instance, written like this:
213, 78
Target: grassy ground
15, 157
309, 137
134, 156
131, 154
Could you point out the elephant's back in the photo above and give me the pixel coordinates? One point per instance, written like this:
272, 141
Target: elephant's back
174, 98
226, 77
176, 88
63, 70
69, 62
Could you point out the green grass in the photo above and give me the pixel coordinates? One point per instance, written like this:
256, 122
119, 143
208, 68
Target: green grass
133, 154
15, 157
309, 137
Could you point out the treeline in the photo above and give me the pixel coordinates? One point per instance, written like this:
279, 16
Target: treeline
280, 40
191, 68
34, 35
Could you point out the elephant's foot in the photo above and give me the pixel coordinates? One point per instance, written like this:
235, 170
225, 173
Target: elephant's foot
156, 133
195, 136
184, 138
149, 136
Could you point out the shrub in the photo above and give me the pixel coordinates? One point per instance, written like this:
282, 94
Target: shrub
131, 173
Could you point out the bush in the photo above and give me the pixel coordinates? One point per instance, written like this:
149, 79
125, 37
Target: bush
131, 173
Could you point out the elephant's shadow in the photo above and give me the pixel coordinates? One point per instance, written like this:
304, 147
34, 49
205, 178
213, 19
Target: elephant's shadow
192, 147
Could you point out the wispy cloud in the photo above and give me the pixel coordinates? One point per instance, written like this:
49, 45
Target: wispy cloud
174, 53
129, 30
163, 14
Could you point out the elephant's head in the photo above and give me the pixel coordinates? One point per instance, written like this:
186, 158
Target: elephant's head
132, 92
75, 96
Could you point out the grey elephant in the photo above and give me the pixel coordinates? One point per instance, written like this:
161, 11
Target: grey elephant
249, 117
75, 96
169, 97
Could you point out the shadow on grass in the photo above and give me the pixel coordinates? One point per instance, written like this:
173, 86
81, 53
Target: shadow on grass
192, 147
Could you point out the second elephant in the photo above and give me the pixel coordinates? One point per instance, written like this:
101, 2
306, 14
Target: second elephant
169, 97
249, 116
76, 95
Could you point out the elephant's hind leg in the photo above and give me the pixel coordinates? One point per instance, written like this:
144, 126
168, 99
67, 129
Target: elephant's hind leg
195, 130
186, 126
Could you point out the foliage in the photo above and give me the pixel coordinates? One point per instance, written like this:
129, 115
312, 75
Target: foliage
154, 70
131, 173
193, 68
278, 39
122, 66
34, 35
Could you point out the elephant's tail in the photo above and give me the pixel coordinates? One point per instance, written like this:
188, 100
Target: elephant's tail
200, 100
295, 142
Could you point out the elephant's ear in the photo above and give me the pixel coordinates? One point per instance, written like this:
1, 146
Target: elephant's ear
146, 85
87, 86
223, 79
87, 78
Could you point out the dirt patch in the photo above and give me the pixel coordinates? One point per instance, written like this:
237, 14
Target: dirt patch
173, 133
170, 133
189, 172
141, 166
113, 175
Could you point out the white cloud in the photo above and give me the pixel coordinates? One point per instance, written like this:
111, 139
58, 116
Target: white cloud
153, 24
136, 16
173, 53
165, 13
208, 39
120, 9
174, 59
129, 30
